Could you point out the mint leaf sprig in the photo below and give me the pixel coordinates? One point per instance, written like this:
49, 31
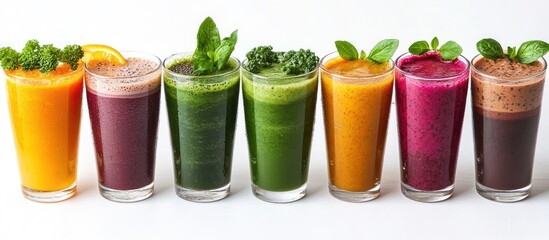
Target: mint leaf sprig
527, 53
44, 57
449, 51
381, 53
212, 53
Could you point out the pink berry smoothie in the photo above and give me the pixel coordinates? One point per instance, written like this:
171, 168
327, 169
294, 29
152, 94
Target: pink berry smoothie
431, 96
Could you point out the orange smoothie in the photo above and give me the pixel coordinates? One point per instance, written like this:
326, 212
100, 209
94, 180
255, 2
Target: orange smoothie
45, 116
356, 100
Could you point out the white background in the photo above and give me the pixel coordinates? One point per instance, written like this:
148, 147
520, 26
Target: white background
164, 27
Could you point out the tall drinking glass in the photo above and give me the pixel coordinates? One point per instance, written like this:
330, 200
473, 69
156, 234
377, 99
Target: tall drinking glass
507, 98
123, 103
45, 110
430, 97
279, 114
202, 114
356, 97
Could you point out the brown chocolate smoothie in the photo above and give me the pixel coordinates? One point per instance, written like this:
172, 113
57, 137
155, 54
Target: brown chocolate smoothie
507, 98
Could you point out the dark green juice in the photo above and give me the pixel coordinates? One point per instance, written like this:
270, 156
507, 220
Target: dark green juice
279, 112
202, 117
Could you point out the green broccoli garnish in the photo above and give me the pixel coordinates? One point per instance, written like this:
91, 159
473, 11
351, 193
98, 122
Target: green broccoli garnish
291, 62
71, 54
299, 62
46, 57
9, 58
29, 59
261, 57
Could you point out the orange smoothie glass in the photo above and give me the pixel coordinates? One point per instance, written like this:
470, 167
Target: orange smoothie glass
45, 113
356, 98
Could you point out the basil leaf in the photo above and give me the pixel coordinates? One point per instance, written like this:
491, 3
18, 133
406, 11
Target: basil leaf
363, 55
226, 47
490, 48
346, 50
383, 51
512, 52
450, 51
531, 51
208, 38
419, 47
434, 43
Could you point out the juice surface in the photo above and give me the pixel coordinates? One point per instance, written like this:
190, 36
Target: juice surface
356, 112
45, 114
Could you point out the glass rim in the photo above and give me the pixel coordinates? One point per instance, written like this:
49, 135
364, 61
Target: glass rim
179, 55
324, 69
460, 57
282, 78
514, 79
131, 53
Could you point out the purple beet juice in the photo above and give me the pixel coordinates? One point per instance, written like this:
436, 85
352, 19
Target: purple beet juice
431, 96
123, 103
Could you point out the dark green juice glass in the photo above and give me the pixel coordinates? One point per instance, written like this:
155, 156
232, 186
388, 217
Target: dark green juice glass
202, 116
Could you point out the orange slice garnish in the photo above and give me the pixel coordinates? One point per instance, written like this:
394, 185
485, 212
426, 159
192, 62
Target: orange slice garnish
102, 53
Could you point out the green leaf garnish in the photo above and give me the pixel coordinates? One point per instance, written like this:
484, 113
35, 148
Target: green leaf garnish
434, 43
527, 53
512, 52
346, 50
490, 48
381, 53
45, 57
212, 53
9, 58
419, 48
531, 51
291, 62
363, 54
448, 51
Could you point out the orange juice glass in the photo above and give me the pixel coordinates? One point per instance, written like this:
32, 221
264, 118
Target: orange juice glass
356, 97
45, 113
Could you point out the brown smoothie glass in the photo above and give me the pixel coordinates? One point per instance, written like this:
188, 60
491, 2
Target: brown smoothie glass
507, 98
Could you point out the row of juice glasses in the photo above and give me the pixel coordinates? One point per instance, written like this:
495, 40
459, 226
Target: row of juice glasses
279, 116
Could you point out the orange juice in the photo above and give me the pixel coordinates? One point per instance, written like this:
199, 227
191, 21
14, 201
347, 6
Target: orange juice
45, 116
356, 100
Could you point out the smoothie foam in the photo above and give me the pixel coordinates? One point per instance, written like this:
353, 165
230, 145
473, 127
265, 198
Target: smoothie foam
134, 78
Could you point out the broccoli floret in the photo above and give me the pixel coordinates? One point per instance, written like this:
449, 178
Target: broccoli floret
292, 62
46, 57
299, 62
49, 58
261, 57
71, 54
9, 58
29, 58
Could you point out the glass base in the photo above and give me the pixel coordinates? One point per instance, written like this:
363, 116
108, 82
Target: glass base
505, 196
355, 197
49, 196
426, 196
203, 196
126, 196
279, 197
